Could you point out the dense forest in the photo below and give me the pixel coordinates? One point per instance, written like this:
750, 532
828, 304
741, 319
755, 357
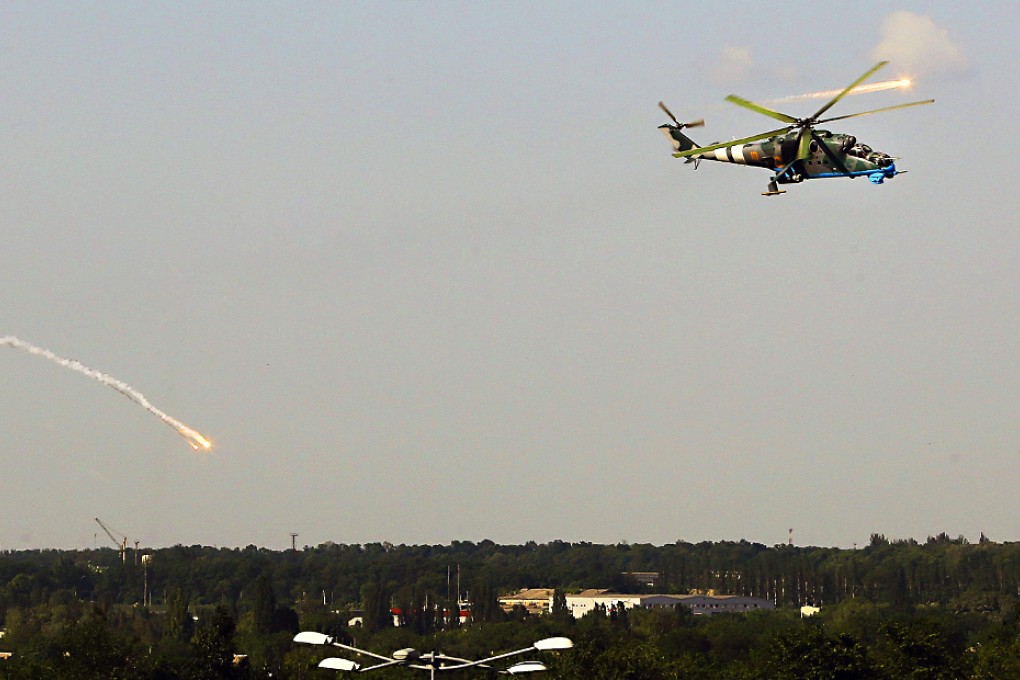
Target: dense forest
941, 608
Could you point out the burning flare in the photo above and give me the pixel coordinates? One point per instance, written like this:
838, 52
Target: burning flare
194, 439
860, 89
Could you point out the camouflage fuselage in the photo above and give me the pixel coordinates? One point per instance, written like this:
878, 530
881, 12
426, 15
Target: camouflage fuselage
778, 154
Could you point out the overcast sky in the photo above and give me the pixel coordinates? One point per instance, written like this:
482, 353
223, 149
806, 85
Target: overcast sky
427, 272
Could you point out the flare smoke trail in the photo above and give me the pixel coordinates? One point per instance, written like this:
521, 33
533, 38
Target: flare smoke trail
860, 89
194, 439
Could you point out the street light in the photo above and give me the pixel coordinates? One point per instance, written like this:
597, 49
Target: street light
430, 661
523, 667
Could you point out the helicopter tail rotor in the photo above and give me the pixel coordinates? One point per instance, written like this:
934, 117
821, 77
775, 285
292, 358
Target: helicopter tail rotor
674, 133
693, 124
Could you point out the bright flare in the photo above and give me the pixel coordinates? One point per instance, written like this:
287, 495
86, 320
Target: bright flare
860, 89
194, 439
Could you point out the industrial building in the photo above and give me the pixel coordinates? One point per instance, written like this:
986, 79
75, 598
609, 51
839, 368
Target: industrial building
586, 601
533, 600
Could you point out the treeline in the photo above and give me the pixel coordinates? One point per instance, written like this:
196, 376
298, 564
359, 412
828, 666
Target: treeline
854, 639
940, 570
184, 611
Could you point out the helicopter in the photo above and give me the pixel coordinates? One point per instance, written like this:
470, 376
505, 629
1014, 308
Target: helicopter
797, 151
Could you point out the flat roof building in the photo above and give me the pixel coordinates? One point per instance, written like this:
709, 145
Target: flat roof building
586, 601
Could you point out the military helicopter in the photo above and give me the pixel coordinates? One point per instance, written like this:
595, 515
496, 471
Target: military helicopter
796, 152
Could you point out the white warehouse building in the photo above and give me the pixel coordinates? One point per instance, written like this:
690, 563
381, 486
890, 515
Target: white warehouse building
586, 601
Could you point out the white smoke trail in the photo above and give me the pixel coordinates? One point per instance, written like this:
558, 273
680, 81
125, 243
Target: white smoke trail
194, 439
860, 89
916, 43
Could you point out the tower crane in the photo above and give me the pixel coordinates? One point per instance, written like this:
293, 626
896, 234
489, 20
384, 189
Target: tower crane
120, 543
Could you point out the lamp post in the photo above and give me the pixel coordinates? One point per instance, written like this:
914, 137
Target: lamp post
431, 661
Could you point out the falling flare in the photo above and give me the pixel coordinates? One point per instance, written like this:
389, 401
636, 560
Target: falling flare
860, 89
194, 439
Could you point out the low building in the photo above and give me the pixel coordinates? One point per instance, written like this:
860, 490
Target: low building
534, 600
722, 604
586, 601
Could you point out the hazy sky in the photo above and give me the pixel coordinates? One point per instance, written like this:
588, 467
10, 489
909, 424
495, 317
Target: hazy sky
427, 272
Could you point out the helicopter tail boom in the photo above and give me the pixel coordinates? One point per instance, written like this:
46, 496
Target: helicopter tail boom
678, 139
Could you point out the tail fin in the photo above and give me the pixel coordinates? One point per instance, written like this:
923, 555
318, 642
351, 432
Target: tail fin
679, 140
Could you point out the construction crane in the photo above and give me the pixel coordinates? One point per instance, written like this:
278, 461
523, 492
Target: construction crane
121, 543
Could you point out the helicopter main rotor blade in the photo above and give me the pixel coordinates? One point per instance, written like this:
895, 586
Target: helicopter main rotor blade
740, 101
845, 92
804, 144
732, 142
886, 108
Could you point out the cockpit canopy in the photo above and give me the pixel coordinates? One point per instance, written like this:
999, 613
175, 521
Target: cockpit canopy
859, 150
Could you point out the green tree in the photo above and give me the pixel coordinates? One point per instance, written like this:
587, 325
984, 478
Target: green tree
484, 602
376, 614
90, 650
179, 623
921, 649
618, 659
998, 658
808, 653
263, 605
560, 611
214, 644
